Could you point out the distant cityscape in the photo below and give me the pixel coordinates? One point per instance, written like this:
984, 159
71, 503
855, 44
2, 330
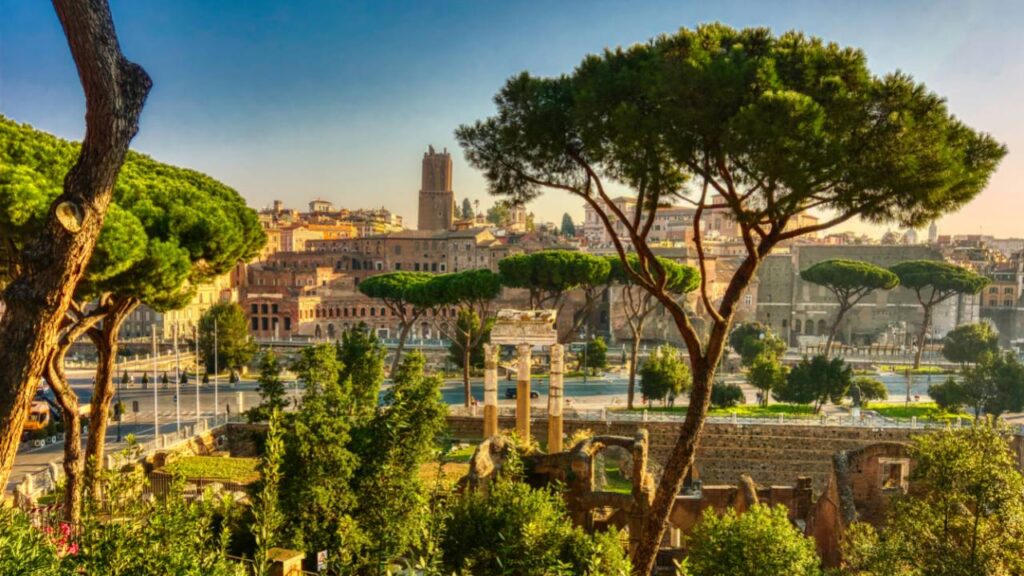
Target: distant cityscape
304, 283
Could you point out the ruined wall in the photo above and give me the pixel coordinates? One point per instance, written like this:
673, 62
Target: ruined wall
772, 454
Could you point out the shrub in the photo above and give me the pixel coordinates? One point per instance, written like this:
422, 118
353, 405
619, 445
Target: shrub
726, 395
515, 529
758, 542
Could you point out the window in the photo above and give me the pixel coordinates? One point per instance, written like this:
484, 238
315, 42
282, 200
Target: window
287, 322
417, 267
255, 323
748, 300
273, 308
264, 322
264, 308
373, 311
255, 308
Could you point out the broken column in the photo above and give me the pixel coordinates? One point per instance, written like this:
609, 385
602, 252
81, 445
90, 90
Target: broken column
490, 390
523, 392
555, 400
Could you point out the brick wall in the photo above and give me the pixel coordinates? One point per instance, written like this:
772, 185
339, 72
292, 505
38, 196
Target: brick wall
772, 454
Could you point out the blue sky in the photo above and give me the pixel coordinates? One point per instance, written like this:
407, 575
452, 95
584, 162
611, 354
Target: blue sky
296, 99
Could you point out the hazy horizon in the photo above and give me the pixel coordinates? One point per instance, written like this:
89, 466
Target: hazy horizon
340, 100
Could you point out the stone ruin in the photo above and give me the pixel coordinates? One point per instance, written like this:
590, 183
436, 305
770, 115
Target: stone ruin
860, 488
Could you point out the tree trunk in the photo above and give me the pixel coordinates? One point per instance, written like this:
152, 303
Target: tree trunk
634, 355
105, 339
703, 363
467, 354
925, 322
402, 336
679, 462
37, 300
72, 434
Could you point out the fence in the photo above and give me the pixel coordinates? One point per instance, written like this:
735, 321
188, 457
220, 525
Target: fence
866, 419
47, 479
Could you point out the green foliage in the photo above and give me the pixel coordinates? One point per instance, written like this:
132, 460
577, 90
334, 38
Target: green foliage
362, 364
273, 394
758, 542
964, 517
596, 356
665, 373
167, 230
766, 374
514, 529
235, 348
727, 395
500, 213
940, 280
468, 329
467, 289
214, 467
267, 516
467, 209
24, 549
752, 339
392, 506
399, 288
994, 386
816, 381
319, 464
568, 226
134, 536
550, 274
681, 278
804, 114
968, 343
850, 279
866, 389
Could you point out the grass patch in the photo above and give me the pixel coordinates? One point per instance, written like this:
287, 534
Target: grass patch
216, 468
743, 410
460, 455
616, 481
919, 410
902, 369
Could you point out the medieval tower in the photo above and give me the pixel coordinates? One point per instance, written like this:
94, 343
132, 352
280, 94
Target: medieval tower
436, 197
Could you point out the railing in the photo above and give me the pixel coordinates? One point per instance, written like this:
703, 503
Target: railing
46, 479
640, 416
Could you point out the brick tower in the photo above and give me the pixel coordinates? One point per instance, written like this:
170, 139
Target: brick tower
436, 197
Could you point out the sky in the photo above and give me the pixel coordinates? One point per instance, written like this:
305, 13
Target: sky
299, 99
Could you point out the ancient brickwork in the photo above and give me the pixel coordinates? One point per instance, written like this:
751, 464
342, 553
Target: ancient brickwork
772, 454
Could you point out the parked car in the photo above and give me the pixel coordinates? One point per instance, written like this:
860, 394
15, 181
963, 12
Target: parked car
510, 394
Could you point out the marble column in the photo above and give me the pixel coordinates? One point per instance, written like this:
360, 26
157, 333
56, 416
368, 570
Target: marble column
555, 393
490, 390
523, 392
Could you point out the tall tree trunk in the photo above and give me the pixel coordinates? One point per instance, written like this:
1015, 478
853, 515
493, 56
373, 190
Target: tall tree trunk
676, 467
37, 300
832, 333
105, 339
925, 322
72, 434
402, 336
634, 357
467, 355
703, 363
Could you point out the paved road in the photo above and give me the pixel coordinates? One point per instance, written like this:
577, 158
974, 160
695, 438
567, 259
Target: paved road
141, 424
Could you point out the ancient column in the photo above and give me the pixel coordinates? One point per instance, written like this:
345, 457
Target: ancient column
555, 400
490, 390
523, 392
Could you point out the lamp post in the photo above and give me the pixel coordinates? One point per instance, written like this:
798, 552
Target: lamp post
177, 381
156, 412
216, 374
